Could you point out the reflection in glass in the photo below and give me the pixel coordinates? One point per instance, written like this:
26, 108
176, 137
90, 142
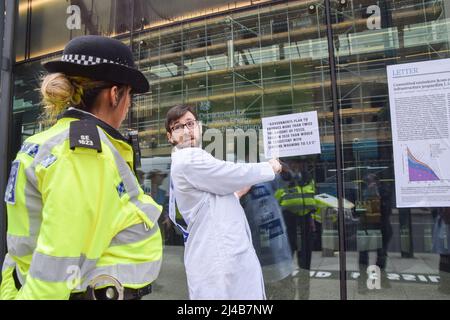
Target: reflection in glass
390, 252
272, 59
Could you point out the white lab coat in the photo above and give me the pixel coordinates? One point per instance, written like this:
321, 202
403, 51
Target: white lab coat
219, 257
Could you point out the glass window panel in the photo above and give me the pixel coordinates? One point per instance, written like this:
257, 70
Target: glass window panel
54, 23
266, 60
389, 249
236, 71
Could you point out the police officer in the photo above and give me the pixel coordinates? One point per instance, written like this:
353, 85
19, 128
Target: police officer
295, 194
75, 209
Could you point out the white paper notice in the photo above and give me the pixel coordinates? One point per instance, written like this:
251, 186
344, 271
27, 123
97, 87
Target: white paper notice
291, 135
419, 97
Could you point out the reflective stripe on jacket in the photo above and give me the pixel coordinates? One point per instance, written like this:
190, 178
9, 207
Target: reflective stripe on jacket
297, 199
77, 212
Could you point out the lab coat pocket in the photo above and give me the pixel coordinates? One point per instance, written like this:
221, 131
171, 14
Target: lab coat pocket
236, 240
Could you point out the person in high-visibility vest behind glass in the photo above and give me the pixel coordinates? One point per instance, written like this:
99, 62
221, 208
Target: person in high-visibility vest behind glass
295, 193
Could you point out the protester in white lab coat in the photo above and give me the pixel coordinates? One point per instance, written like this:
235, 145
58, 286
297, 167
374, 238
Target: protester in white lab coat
219, 257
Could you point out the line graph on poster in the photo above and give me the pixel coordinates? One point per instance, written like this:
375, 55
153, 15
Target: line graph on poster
426, 162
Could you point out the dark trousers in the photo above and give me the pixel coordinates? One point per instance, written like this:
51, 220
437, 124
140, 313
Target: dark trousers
299, 284
386, 235
293, 222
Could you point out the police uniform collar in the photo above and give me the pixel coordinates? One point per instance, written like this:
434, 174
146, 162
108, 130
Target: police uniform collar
83, 115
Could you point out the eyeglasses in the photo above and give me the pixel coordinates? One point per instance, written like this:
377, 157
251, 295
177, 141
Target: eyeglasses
191, 124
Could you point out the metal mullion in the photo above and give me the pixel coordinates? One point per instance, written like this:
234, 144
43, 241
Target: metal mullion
338, 151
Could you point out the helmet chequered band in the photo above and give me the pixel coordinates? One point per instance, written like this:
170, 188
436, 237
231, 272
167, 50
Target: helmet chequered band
87, 60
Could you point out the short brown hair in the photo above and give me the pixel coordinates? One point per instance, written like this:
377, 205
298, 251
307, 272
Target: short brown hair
176, 112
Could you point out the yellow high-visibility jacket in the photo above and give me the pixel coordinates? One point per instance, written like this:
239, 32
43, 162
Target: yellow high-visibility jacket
76, 211
298, 199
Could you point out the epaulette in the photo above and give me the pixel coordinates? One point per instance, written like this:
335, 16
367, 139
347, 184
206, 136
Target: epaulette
84, 134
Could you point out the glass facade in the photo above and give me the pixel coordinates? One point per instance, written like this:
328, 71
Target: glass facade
242, 61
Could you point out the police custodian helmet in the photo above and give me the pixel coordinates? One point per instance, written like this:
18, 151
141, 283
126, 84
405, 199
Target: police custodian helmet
100, 58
